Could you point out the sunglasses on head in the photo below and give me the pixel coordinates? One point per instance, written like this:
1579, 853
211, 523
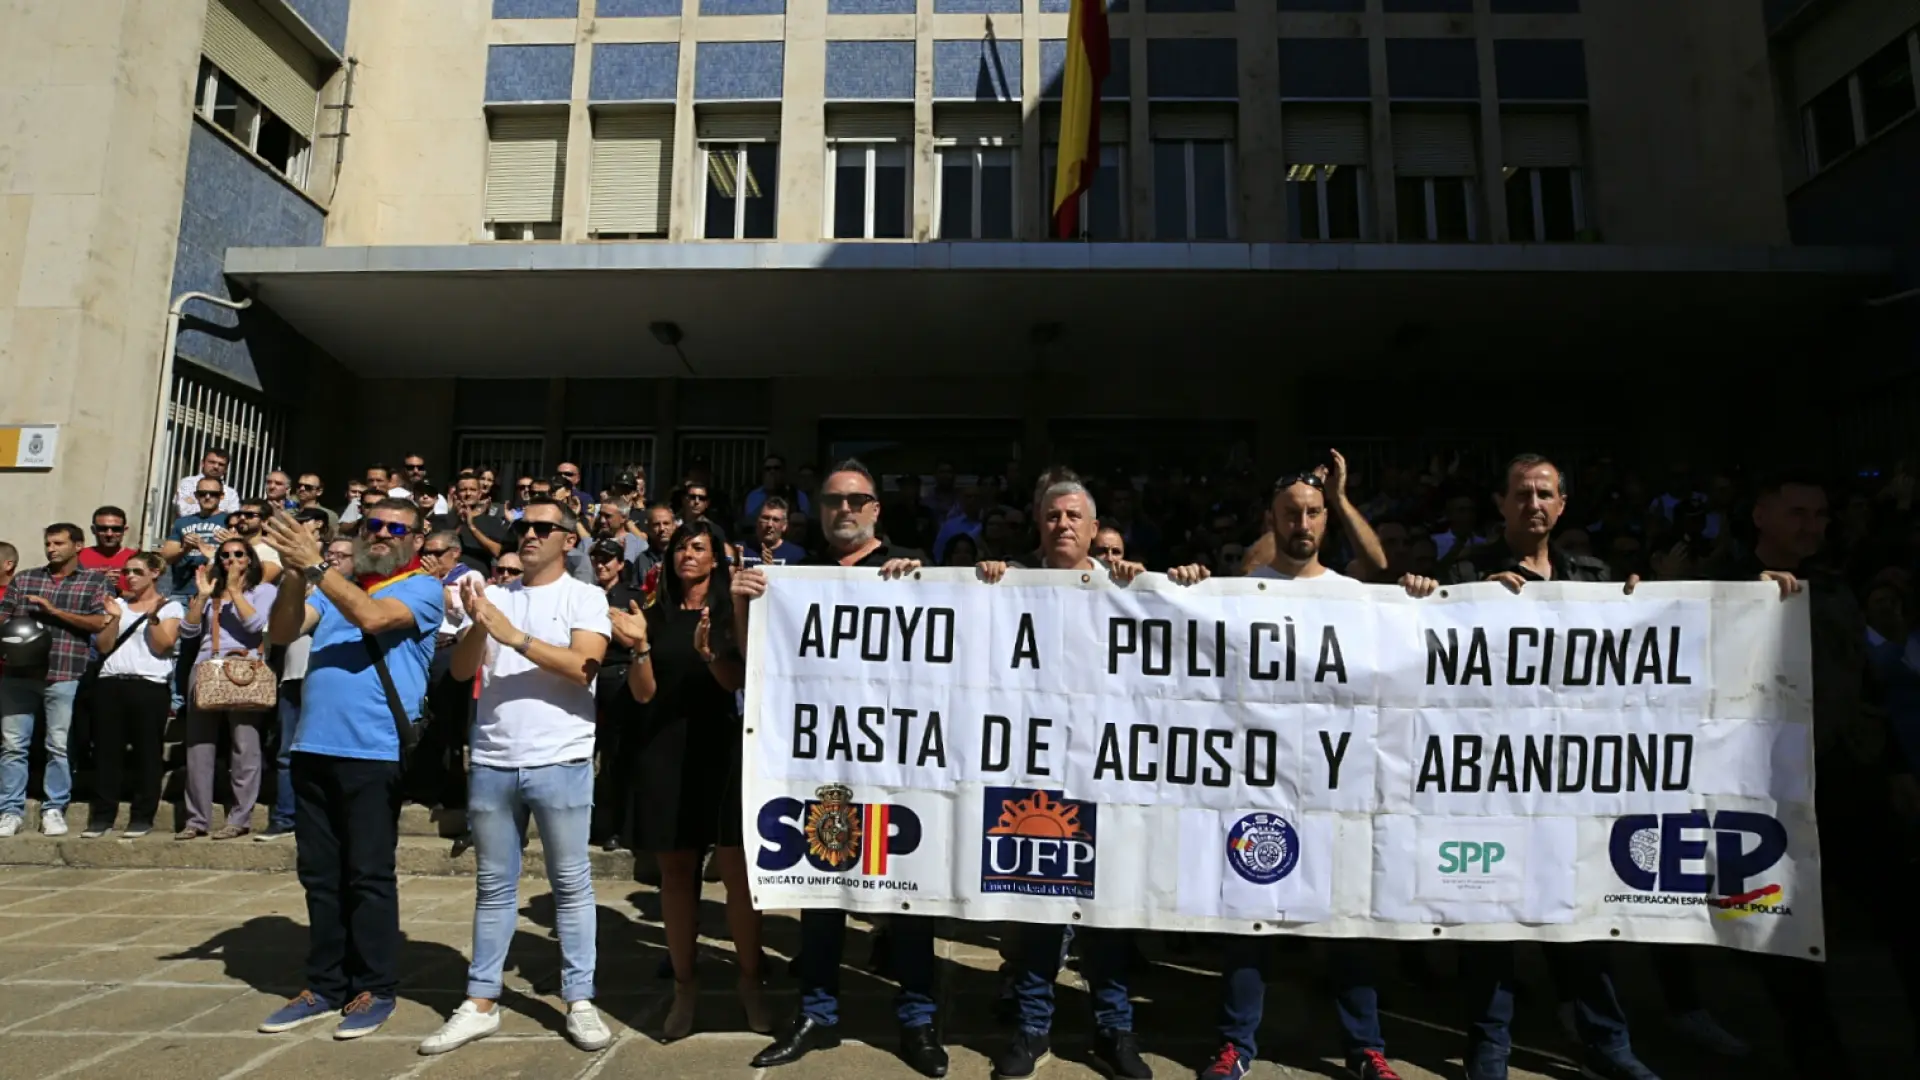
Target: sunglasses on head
1312, 480
395, 529
541, 529
858, 500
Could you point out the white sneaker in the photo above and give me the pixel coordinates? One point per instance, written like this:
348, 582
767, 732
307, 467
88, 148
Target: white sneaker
465, 1025
53, 823
1701, 1029
10, 824
585, 1027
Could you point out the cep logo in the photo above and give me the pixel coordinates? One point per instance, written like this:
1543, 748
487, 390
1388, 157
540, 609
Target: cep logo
834, 834
1667, 855
1038, 843
1470, 857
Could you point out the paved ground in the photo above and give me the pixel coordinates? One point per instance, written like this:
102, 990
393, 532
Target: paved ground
158, 974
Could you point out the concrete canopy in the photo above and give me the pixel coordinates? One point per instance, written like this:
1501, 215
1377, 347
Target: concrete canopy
752, 310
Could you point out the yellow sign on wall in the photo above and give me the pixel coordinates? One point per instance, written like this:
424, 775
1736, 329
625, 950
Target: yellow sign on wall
28, 446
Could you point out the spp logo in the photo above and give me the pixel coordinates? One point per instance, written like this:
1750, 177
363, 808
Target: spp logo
1665, 859
1471, 857
1038, 843
834, 834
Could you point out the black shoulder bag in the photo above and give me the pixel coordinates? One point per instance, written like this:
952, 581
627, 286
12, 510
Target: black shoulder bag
406, 730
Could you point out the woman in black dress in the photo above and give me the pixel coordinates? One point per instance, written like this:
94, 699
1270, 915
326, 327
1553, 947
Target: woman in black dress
686, 668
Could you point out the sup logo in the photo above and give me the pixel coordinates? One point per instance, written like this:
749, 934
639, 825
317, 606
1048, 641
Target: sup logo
1469, 857
1037, 843
834, 834
1263, 848
1664, 858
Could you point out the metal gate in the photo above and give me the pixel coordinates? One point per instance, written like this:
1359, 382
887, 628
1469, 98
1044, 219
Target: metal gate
734, 459
204, 414
603, 455
510, 454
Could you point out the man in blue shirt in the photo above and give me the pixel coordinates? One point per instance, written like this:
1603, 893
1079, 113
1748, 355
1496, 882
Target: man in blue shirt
770, 544
187, 542
347, 754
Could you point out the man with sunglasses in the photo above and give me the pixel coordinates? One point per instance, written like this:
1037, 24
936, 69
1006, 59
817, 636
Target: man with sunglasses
506, 569
347, 753
247, 523
192, 537
306, 496
109, 552
850, 508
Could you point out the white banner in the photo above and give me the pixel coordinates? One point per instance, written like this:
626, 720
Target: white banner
1251, 756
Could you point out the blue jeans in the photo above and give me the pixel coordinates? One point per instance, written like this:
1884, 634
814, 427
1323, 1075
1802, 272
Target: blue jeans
499, 801
1103, 960
1243, 995
1582, 973
280, 819
21, 701
823, 937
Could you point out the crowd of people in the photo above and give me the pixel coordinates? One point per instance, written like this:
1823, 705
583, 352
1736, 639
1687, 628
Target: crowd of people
520, 648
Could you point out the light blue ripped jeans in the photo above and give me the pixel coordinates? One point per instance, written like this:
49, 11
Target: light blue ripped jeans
499, 802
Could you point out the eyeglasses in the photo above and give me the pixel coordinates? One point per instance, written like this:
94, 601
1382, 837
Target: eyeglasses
436, 552
542, 529
1312, 480
415, 464
339, 556
509, 571
696, 496
109, 528
858, 500
246, 514
395, 529
234, 556
206, 494
306, 487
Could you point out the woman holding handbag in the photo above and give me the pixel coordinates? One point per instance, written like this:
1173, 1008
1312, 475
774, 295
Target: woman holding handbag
231, 686
130, 697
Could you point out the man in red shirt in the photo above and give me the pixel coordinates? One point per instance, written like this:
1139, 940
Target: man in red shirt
108, 552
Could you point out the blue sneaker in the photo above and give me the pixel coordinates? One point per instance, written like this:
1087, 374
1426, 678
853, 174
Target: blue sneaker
1484, 1062
304, 1009
363, 1016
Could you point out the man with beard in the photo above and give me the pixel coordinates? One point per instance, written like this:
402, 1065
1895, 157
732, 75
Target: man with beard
373, 636
1068, 525
850, 502
1532, 500
1300, 511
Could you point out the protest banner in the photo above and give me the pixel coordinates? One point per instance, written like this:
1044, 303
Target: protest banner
1260, 756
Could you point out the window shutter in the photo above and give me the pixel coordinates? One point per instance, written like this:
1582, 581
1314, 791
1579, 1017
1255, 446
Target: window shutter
870, 123
1323, 135
526, 167
1433, 144
1540, 140
1842, 39
976, 125
632, 189
737, 125
260, 55
1113, 124
1175, 122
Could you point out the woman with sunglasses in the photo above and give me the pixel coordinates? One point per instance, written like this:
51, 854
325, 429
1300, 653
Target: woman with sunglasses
129, 702
686, 667
231, 590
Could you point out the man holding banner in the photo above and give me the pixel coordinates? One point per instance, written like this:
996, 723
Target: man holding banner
849, 508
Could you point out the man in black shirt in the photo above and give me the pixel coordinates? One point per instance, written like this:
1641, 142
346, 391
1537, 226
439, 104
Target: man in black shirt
482, 531
617, 710
1535, 495
850, 511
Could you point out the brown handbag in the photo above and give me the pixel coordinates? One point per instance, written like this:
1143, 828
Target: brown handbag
237, 682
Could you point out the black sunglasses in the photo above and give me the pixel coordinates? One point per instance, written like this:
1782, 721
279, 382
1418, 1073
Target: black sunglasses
206, 494
541, 529
234, 556
858, 500
246, 513
1312, 480
436, 551
510, 571
109, 528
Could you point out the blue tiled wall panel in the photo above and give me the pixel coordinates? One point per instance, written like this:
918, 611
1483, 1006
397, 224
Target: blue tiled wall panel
534, 9
635, 9
1189, 5
870, 7
1464, 7
976, 70
869, 71
742, 70
1445, 68
648, 71
328, 19
1053, 68
1324, 68
1540, 70
1061, 7
231, 201
1323, 5
529, 73
1193, 68
976, 7
1541, 7
743, 7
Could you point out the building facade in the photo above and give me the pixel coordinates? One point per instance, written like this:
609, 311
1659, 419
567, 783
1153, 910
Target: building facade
611, 230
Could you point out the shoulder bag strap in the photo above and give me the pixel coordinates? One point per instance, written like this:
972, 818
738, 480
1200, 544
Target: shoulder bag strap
126, 635
402, 727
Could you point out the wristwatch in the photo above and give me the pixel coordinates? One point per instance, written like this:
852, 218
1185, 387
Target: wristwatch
314, 573
526, 642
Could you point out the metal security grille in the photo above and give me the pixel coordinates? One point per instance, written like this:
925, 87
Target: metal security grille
605, 455
203, 416
734, 459
511, 454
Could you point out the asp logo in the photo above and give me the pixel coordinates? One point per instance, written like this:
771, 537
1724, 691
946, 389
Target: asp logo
834, 834
1470, 857
1038, 843
1664, 858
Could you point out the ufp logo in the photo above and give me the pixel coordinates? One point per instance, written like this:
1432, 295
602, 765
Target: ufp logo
1470, 857
1037, 843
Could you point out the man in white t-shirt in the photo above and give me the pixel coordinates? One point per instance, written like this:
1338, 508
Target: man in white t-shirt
536, 645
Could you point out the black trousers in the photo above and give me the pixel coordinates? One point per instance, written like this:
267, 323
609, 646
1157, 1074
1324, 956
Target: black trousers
127, 711
612, 746
437, 770
346, 827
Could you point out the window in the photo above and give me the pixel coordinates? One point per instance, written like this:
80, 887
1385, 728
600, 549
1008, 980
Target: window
975, 195
742, 183
871, 192
1886, 87
1192, 189
1103, 207
1874, 97
1830, 124
526, 174
632, 189
1544, 205
230, 108
1326, 202
1437, 208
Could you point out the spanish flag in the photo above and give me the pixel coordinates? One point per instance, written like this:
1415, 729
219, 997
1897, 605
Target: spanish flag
873, 832
1088, 58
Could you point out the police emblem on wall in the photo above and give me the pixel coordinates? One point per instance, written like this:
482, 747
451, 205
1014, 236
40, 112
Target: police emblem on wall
36, 445
1263, 848
833, 827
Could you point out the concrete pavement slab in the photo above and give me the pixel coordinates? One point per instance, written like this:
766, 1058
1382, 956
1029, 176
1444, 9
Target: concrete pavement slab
42, 1056
134, 1010
178, 1057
